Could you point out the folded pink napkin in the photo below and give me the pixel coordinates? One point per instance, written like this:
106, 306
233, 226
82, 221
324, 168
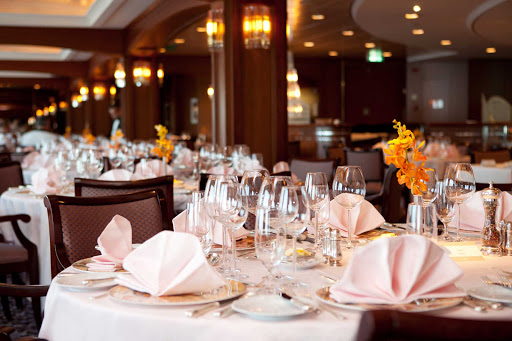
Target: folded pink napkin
222, 170
248, 164
36, 160
184, 157
472, 214
398, 270
450, 151
282, 166
364, 217
116, 175
46, 180
154, 169
170, 263
115, 243
179, 223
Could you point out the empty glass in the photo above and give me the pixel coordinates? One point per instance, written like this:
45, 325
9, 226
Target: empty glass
429, 196
317, 189
445, 210
198, 225
251, 185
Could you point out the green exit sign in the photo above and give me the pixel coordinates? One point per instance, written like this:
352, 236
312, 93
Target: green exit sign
375, 56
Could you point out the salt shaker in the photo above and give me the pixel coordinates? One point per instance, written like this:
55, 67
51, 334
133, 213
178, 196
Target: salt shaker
326, 245
507, 239
335, 243
491, 235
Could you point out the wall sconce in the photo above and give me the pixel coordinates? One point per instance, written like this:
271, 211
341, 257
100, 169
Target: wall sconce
141, 73
113, 91
99, 92
84, 92
256, 26
215, 29
160, 74
120, 75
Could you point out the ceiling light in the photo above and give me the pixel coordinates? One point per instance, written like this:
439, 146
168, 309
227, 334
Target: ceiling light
348, 33
418, 31
201, 29
416, 8
369, 45
333, 53
411, 16
309, 44
387, 54
318, 17
490, 50
163, 50
446, 42
179, 41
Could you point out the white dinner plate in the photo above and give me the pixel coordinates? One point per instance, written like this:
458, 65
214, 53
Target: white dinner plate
302, 264
81, 266
267, 307
492, 293
439, 303
75, 281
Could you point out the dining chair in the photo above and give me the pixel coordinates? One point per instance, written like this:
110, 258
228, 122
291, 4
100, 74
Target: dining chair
35, 292
5, 157
497, 155
380, 325
300, 167
10, 175
371, 162
15, 259
76, 222
8, 333
337, 153
95, 188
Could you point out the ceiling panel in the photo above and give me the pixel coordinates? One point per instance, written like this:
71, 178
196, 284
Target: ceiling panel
46, 7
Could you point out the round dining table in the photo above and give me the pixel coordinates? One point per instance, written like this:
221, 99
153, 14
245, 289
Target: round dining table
92, 315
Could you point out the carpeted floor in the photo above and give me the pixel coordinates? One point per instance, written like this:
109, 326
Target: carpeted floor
22, 319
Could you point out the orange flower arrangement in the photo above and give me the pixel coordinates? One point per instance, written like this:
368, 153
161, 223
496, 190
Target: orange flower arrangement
408, 173
67, 133
116, 138
164, 147
87, 136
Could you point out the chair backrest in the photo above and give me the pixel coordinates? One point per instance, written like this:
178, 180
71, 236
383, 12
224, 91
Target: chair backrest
10, 175
393, 194
503, 187
95, 188
203, 180
371, 162
398, 326
337, 153
283, 173
77, 222
301, 167
497, 155
5, 157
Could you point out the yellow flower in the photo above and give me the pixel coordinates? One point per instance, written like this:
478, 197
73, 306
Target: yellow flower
116, 138
164, 147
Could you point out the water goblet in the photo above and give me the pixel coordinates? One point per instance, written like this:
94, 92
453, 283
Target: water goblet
445, 210
317, 189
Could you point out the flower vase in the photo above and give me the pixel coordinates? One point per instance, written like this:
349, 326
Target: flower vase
164, 166
415, 215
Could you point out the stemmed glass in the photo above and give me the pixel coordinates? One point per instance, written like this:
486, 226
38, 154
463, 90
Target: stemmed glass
294, 215
251, 185
317, 189
445, 210
198, 226
349, 190
115, 158
460, 186
429, 196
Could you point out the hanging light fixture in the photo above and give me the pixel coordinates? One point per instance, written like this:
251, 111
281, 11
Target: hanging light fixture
120, 75
256, 26
160, 74
141, 73
113, 91
99, 92
293, 91
84, 92
215, 29
74, 101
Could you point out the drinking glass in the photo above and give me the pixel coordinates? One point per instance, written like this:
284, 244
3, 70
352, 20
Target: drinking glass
198, 225
115, 158
414, 218
251, 185
430, 194
317, 189
349, 190
445, 210
460, 186
323, 216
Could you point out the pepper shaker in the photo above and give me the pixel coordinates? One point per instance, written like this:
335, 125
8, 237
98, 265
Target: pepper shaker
507, 239
491, 235
326, 245
335, 243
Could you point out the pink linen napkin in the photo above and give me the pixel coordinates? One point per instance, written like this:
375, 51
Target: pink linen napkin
282, 166
222, 170
36, 160
46, 180
154, 169
179, 223
472, 214
364, 217
170, 263
184, 157
115, 243
248, 164
116, 175
398, 270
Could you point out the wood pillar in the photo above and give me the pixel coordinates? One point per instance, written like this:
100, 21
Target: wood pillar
127, 101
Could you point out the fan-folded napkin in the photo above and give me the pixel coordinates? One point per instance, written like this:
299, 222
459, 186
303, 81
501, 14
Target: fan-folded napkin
221, 170
154, 169
184, 157
472, 214
364, 217
398, 270
46, 180
36, 160
170, 263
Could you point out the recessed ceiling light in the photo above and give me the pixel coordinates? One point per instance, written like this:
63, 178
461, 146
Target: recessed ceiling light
411, 16
490, 50
179, 41
309, 44
201, 29
416, 8
369, 45
333, 53
446, 42
347, 33
318, 17
386, 54
418, 31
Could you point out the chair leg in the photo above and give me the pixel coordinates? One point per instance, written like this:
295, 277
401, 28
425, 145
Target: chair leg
36, 308
5, 301
16, 279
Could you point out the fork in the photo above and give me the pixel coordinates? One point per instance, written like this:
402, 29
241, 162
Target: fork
488, 281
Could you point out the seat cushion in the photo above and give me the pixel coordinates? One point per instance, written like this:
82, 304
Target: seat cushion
12, 253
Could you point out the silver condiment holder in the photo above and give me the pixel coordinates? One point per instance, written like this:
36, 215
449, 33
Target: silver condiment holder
335, 245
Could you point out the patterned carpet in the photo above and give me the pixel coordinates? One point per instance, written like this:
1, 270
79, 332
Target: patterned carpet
22, 319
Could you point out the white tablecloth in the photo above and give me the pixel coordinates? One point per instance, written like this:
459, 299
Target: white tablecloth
71, 315
500, 174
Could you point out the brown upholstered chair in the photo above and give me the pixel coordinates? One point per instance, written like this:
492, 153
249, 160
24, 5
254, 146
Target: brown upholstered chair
337, 153
8, 333
96, 188
5, 157
497, 155
33, 291
10, 175
371, 163
380, 325
76, 222
19, 258
301, 167
504, 187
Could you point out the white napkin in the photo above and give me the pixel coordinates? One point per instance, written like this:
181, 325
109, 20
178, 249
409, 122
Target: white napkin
184, 157
221, 170
154, 169
170, 263
116, 175
46, 180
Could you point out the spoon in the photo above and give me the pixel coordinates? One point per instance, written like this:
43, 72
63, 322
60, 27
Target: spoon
213, 258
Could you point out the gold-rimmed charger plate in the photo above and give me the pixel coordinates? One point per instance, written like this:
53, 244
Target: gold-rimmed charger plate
439, 303
231, 290
244, 244
81, 265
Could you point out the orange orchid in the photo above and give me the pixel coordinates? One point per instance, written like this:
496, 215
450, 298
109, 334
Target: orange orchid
88, 136
116, 139
164, 147
67, 133
411, 174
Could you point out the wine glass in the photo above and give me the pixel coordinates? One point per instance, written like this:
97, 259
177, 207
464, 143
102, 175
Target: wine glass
349, 190
251, 185
460, 186
430, 194
317, 189
115, 158
294, 216
197, 225
323, 216
445, 210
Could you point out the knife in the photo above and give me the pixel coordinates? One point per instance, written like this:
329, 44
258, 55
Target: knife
203, 310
